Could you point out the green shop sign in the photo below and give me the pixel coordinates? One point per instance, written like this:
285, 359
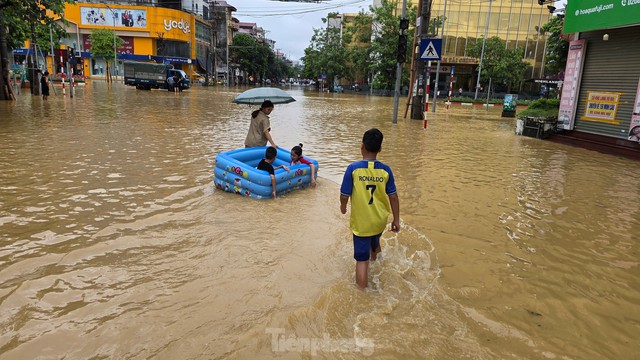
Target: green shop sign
585, 15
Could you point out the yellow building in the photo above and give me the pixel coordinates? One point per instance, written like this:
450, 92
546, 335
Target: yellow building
515, 21
361, 38
148, 33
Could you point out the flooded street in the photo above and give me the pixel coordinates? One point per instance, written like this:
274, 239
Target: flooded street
115, 244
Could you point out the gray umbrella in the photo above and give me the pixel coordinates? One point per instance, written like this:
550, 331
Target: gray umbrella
258, 95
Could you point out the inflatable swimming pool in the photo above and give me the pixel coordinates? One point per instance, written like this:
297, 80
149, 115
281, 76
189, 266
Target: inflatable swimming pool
236, 172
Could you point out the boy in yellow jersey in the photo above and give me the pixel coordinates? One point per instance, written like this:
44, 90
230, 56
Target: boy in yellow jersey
368, 183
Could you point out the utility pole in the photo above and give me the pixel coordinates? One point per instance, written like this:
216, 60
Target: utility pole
33, 64
214, 43
435, 87
422, 29
402, 54
53, 57
484, 41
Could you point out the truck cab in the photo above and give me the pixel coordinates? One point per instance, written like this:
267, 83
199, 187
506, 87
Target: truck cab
185, 83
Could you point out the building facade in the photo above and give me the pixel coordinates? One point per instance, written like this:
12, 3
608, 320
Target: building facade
180, 33
600, 102
463, 23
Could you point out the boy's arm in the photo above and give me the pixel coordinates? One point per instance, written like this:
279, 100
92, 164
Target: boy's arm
343, 203
281, 166
273, 186
394, 201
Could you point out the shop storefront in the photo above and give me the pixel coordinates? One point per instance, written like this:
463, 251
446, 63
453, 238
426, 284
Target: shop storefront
601, 86
147, 33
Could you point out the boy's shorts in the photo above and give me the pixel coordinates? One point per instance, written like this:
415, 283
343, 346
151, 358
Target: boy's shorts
363, 245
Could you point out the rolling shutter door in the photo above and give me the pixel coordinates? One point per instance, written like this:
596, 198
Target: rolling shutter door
612, 65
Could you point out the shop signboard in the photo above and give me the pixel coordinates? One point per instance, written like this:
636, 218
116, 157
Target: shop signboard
634, 128
602, 106
127, 46
586, 15
571, 84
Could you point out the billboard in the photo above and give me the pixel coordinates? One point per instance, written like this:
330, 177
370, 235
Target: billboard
585, 15
113, 17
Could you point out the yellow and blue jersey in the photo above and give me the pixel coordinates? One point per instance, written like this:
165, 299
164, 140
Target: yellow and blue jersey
368, 183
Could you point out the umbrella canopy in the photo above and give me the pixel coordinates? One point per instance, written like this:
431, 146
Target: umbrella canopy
258, 95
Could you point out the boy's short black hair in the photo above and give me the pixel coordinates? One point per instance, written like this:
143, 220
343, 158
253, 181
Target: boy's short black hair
270, 153
372, 140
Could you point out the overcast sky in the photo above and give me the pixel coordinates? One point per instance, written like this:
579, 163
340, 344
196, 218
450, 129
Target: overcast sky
291, 24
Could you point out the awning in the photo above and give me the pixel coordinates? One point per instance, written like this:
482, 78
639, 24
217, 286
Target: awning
204, 65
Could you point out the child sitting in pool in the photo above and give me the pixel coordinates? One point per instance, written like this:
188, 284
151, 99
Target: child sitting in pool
265, 164
297, 159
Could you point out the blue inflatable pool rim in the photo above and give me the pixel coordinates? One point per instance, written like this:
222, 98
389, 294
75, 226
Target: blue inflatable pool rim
235, 171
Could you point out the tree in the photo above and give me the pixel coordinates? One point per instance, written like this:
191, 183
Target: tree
102, 45
557, 47
257, 59
503, 66
384, 45
21, 18
379, 31
357, 36
436, 24
327, 54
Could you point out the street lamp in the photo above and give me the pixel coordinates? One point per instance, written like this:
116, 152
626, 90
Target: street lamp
115, 54
484, 40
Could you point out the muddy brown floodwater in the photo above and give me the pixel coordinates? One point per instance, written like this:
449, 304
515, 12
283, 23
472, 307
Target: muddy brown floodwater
115, 244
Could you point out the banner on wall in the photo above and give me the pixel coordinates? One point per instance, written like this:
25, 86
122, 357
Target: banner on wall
113, 17
602, 106
126, 48
571, 84
634, 128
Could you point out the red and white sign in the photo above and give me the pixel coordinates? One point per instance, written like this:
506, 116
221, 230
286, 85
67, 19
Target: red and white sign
571, 85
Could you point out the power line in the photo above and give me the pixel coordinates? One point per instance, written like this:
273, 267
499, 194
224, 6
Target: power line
282, 12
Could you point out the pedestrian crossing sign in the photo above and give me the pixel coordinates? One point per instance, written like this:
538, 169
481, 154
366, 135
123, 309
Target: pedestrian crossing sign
431, 49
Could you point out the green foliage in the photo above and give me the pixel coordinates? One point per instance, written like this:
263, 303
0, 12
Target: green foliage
502, 65
44, 36
545, 108
435, 24
368, 45
357, 36
102, 43
327, 54
22, 17
557, 47
257, 58
544, 103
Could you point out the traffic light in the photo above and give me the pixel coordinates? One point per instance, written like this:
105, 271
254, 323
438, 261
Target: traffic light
404, 24
402, 48
70, 54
